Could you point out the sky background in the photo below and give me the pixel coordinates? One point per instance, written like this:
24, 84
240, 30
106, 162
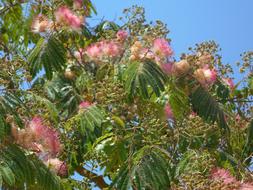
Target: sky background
228, 22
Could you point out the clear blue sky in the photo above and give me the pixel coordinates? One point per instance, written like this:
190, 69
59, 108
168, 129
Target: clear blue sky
228, 22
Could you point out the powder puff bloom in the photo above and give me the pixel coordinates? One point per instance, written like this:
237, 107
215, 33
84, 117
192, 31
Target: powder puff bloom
220, 174
181, 67
205, 76
93, 51
246, 186
40, 24
210, 75
58, 166
161, 47
121, 35
84, 105
51, 142
229, 82
104, 49
77, 4
168, 112
65, 16
167, 68
79, 54
45, 136
111, 49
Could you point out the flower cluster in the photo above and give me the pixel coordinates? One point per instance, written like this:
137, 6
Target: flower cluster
40, 24
224, 176
64, 16
168, 112
104, 49
41, 139
159, 51
205, 75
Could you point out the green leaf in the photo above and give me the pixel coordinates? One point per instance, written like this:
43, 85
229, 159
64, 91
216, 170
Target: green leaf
179, 102
7, 174
49, 55
18, 169
141, 76
148, 169
248, 147
207, 108
90, 118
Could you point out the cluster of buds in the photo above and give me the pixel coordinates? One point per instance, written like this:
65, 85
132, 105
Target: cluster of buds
40, 139
41, 24
160, 51
205, 75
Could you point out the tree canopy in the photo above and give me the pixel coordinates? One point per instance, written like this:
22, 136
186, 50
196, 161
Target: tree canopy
112, 103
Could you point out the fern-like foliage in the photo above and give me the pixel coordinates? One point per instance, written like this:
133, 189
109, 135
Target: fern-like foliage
149, 169
90, 119
48, 54
248, 147
178, 101
208, 108
140, 76
65, 95
20, 170
9, 103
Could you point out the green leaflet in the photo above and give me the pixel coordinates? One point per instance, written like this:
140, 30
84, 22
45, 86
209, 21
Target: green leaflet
90, 118
148, 170
7, 175
140, 77
49, 55
248, 147
207, 107
17, 168
179, 102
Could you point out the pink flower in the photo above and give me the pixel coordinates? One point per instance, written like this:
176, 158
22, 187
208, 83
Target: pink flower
111, 49
246, 186
45, 136
210, 75
58, 166
223, 175
168, 111
40, 24
167, 68
93, 51
77, 4
51, 142
205, 76
161, 47
79, 54
84, 105
65, 16
104, 49
122, 35
37, 127
229, 82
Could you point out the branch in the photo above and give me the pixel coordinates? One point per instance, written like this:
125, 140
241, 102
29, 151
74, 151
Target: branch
97, 179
